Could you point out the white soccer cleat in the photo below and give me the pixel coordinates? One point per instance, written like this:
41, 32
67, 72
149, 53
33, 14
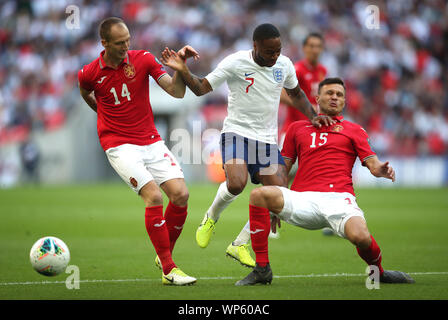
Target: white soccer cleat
177, 277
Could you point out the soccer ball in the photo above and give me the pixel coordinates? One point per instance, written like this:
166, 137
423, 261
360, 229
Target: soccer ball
49, 256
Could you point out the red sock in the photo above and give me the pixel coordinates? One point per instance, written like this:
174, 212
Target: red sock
175, 218
158, 233
372, 255
260, 224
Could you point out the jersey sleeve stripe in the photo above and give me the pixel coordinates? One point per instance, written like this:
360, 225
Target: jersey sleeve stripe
161, 76
368, 157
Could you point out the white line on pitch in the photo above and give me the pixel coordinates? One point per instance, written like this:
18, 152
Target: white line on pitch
312, 275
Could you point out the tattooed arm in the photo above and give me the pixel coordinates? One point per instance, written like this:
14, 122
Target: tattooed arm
301, 102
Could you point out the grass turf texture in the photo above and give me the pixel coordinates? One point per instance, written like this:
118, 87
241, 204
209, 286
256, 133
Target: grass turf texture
103, 225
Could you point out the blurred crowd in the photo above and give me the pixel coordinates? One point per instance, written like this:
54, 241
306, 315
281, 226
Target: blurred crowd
396, 76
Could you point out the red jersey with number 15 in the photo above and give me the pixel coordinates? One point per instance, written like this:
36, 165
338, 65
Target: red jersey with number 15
124, 113
326, 156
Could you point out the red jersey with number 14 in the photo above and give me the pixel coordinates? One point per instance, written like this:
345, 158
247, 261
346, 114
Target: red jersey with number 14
326, 156
124, 113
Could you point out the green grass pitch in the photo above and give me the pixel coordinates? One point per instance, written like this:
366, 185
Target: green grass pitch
103, 225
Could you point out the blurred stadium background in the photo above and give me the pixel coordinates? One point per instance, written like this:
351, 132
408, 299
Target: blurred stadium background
396, 78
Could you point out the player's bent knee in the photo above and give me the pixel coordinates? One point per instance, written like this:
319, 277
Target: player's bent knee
151, 200
256, 197
180, 198
361, 239
236, 187
261, 197
151, 195
356, 232
364, 240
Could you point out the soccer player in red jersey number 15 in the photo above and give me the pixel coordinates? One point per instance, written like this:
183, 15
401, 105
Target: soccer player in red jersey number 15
310, 72
116, 87
322, 193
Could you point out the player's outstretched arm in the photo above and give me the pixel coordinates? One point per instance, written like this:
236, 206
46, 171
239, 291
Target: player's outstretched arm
88, 97
380, 169
175, 85
172, 59
301, 102
188, 52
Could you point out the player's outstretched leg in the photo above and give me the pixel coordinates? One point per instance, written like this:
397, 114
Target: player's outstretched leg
222, 199
356, 231
260, 275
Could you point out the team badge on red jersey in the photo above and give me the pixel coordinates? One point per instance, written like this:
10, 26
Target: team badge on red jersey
129, 71
337, 128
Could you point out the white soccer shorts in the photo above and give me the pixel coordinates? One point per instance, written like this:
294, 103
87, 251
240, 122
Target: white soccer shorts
138, 165
316, 210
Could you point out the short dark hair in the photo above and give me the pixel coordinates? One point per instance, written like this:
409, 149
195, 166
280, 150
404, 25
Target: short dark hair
265, 31
106, 25
330, 81
312, 35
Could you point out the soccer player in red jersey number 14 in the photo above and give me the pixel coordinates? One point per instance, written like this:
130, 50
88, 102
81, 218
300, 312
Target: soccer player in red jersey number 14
322, 193
116, 87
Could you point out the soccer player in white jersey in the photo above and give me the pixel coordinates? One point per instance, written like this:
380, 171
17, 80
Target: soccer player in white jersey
249, 135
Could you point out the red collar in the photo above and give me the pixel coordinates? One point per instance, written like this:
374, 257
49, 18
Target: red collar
103, 63
337, 118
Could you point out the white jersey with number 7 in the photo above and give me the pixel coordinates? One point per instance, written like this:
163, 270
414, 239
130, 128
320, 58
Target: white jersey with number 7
254, 94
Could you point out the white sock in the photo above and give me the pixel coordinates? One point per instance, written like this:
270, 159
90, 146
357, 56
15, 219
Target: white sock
244, 236
222, 199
